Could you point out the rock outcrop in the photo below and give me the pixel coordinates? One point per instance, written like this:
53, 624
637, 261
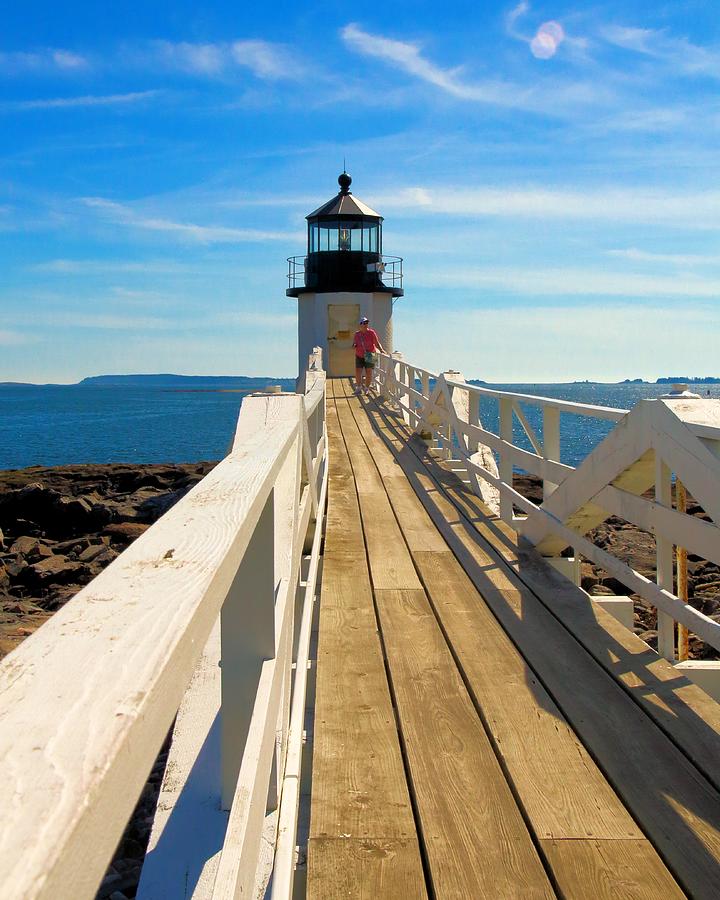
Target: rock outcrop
59, 527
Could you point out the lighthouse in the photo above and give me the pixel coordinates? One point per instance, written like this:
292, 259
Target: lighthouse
343, 276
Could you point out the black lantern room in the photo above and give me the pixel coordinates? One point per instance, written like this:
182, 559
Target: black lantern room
344, 251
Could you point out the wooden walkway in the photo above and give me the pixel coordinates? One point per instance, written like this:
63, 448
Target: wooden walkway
481, 728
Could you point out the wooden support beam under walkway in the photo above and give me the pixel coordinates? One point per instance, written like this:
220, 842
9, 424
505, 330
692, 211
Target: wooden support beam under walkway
477, 734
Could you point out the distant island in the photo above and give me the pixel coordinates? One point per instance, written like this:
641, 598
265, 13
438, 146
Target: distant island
169, 380
676, 379
687, 379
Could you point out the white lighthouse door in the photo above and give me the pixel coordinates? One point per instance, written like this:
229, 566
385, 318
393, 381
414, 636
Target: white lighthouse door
342, 325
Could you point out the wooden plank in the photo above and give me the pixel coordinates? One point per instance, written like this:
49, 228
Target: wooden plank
677, 808
362, 829
390, 564
475, 839
680, 708
563, 793
365, 869
684, 711
609, 870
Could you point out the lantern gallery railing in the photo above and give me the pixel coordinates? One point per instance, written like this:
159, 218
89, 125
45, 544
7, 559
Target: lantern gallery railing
389, 270
653, 446
87, 701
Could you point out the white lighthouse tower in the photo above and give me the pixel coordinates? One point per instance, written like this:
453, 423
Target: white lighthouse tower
343, 276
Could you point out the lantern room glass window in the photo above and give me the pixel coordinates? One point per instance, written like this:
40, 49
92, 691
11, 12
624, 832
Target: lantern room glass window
344, 235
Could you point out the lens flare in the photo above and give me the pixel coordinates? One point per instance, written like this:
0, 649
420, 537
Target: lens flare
547, 39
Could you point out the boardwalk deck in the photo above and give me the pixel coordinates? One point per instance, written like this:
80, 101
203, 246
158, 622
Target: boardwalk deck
469, 740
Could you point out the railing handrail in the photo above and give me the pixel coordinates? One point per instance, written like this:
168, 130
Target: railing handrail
87, 700
577, 499
591, 410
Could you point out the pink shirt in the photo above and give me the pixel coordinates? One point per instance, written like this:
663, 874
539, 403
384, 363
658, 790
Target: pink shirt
365, 342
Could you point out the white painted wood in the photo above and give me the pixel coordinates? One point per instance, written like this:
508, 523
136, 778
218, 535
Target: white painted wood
238, 862
284, 867
99, 685
568, 566
189, 825
551, 443
683, 435
505, 466
676, 527
664, 561
247, 641
86, 701
530, 431
620, 608
704, 673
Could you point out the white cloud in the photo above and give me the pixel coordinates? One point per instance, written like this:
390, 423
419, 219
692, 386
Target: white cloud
408, 57
259, 320
64, 59
102, 267
675, 259
553, 99
266, 60
14, 338
89, 100
611, 204
203, 234
108, 322
200, 59
571, 282
512, 18
684, 56
40, 61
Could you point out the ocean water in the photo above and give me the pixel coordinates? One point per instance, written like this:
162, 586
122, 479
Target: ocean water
66, 424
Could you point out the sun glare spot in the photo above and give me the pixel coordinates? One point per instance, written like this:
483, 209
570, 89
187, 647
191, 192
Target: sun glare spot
547, 39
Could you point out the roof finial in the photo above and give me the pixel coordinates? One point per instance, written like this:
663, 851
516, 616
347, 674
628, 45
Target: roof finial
344, 181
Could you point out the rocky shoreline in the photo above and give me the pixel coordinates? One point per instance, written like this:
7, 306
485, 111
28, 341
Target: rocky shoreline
60, 526
636, 548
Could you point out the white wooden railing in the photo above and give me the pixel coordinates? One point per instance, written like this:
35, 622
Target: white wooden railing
656, 443
86, 702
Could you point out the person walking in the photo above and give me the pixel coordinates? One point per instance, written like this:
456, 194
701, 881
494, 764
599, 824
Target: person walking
366, 343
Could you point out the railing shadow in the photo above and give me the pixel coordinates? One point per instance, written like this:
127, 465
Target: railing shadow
195, 830
617, 661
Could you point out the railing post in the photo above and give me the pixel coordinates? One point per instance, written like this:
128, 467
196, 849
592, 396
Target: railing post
682, 574
505, 467
247, 636
550, 442
664, 561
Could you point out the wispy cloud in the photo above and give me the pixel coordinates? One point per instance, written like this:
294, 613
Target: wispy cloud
682, 54
673, 259
571, 282
549, 98
107, 322
89, 100
103, 267
611, 204
203, 234
408, 57
48, 59
267, 60
14, 338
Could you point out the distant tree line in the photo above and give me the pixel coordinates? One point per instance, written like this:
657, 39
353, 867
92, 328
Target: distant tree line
687, 379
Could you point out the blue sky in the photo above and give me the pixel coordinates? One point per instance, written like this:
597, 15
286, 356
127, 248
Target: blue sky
549, 172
